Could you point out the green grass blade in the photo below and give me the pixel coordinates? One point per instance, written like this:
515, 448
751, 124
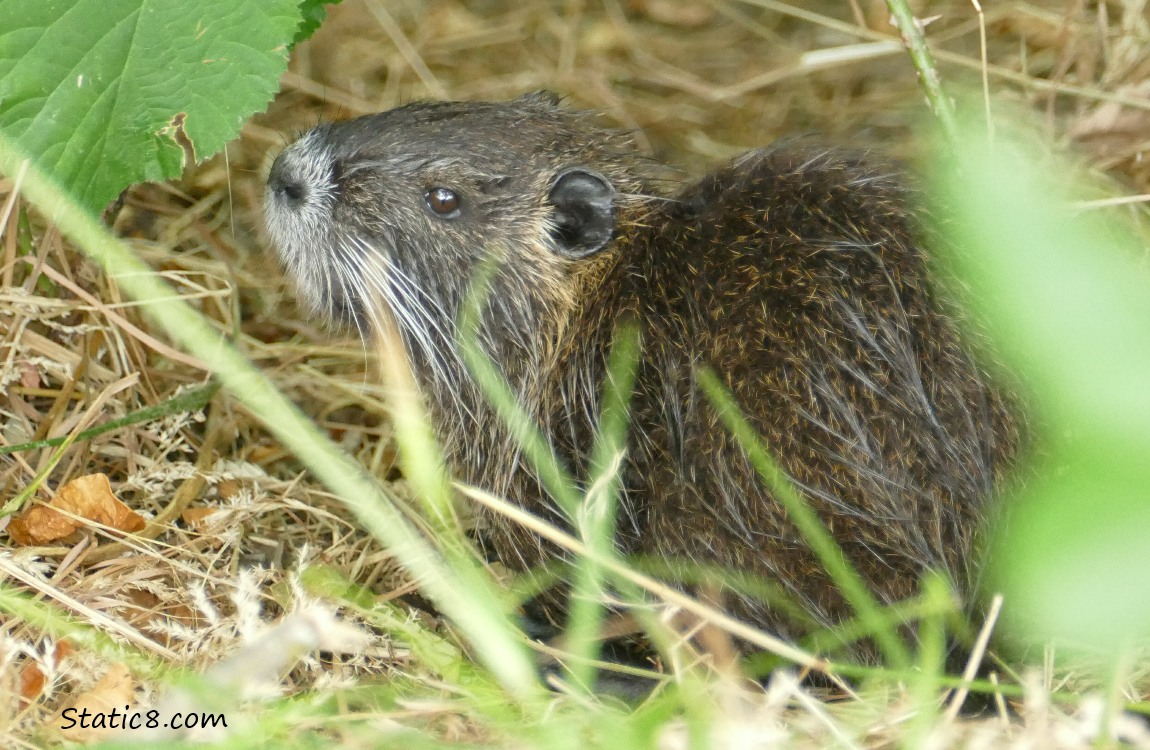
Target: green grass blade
809, 525
536, 448
597, 519
189, 401
21, 606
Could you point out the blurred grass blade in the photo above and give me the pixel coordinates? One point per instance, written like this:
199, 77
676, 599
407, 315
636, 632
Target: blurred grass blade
540, 456
21, 606
422, 462
1066, 295
556, 480
597, 519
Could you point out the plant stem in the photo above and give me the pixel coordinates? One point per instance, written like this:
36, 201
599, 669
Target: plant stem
923, 61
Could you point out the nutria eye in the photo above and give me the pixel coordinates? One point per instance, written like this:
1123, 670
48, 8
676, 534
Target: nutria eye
442, 202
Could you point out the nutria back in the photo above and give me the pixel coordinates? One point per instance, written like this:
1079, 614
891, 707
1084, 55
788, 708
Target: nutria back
795, 274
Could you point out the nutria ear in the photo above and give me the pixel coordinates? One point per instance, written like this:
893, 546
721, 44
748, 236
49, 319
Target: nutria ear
584, 218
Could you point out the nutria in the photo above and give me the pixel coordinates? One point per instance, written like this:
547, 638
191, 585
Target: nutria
793, 272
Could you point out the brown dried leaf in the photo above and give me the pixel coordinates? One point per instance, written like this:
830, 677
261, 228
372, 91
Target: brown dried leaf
229, 488
63, 650
32, 678
147, 609
88, 497
262, 454
32, 681
197, 517
39, 526
115, 690
29, 375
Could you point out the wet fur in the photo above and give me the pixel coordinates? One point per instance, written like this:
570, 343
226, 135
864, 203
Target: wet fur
794, 273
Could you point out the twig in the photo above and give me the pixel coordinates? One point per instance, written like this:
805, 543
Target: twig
976, 655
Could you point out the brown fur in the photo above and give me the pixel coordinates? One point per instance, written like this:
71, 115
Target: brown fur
794, 273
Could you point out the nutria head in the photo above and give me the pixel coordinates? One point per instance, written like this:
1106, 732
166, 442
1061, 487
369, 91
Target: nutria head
391, 214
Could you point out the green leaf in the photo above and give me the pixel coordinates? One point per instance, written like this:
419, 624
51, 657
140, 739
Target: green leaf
314, 12
329, 581
106, 93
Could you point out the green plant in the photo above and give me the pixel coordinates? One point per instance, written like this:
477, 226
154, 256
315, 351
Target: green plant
107, 93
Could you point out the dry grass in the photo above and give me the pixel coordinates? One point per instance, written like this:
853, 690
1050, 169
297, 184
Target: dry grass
696, 82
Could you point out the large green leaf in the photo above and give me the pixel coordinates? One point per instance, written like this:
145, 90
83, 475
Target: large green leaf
105, 93
314, 12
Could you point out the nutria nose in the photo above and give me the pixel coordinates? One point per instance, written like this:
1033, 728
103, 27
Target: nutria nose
285, 184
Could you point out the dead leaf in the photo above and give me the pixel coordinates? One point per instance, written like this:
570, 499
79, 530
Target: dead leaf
87, 497
39, 526
152, 614
229, 488
29, 375
196, 518
32, 681
32, 678
97, 713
